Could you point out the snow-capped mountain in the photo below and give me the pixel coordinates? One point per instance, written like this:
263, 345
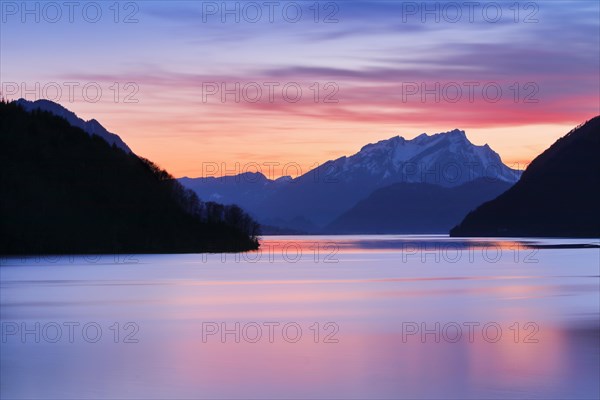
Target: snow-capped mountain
92, 126
445, 159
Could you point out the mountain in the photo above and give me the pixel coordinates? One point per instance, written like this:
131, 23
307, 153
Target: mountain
446, 159
317, 197
415, 208
92, 126
65, 191
557, 196
250, 188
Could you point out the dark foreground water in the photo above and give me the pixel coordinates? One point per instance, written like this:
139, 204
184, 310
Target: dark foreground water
308, 317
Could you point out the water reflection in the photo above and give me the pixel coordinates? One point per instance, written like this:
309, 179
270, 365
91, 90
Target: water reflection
410, 243
376, 321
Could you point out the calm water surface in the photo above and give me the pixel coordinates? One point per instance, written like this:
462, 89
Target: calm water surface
308, 317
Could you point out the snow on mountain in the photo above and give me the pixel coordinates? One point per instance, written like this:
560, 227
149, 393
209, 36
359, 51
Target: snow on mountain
92, 126
446, 159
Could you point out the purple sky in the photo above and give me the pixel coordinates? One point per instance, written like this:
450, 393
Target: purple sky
185, 82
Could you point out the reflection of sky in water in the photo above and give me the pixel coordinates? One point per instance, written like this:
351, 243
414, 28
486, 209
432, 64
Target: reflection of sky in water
372, 293
410, 243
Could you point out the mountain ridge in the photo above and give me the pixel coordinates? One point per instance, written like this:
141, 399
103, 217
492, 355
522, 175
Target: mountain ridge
318, 196
557, 196
92, 127
65, 191
391, 157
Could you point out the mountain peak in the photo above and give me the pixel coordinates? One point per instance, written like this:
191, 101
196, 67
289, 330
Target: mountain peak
250, 176
284, 179
424, 156
393, 141
91, 127
457, 133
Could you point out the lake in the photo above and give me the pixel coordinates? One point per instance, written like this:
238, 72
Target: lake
343, 317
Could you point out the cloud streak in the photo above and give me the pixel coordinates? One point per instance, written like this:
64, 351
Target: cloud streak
391, 71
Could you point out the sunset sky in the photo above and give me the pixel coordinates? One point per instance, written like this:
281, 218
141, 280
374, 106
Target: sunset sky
361, 66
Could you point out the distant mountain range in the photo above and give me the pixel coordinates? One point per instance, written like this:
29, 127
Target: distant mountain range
557, 196
66, 191
416, 208
312, 201
92, 127
69, 185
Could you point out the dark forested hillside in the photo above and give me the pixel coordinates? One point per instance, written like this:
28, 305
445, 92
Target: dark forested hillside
64, 191
557, 196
